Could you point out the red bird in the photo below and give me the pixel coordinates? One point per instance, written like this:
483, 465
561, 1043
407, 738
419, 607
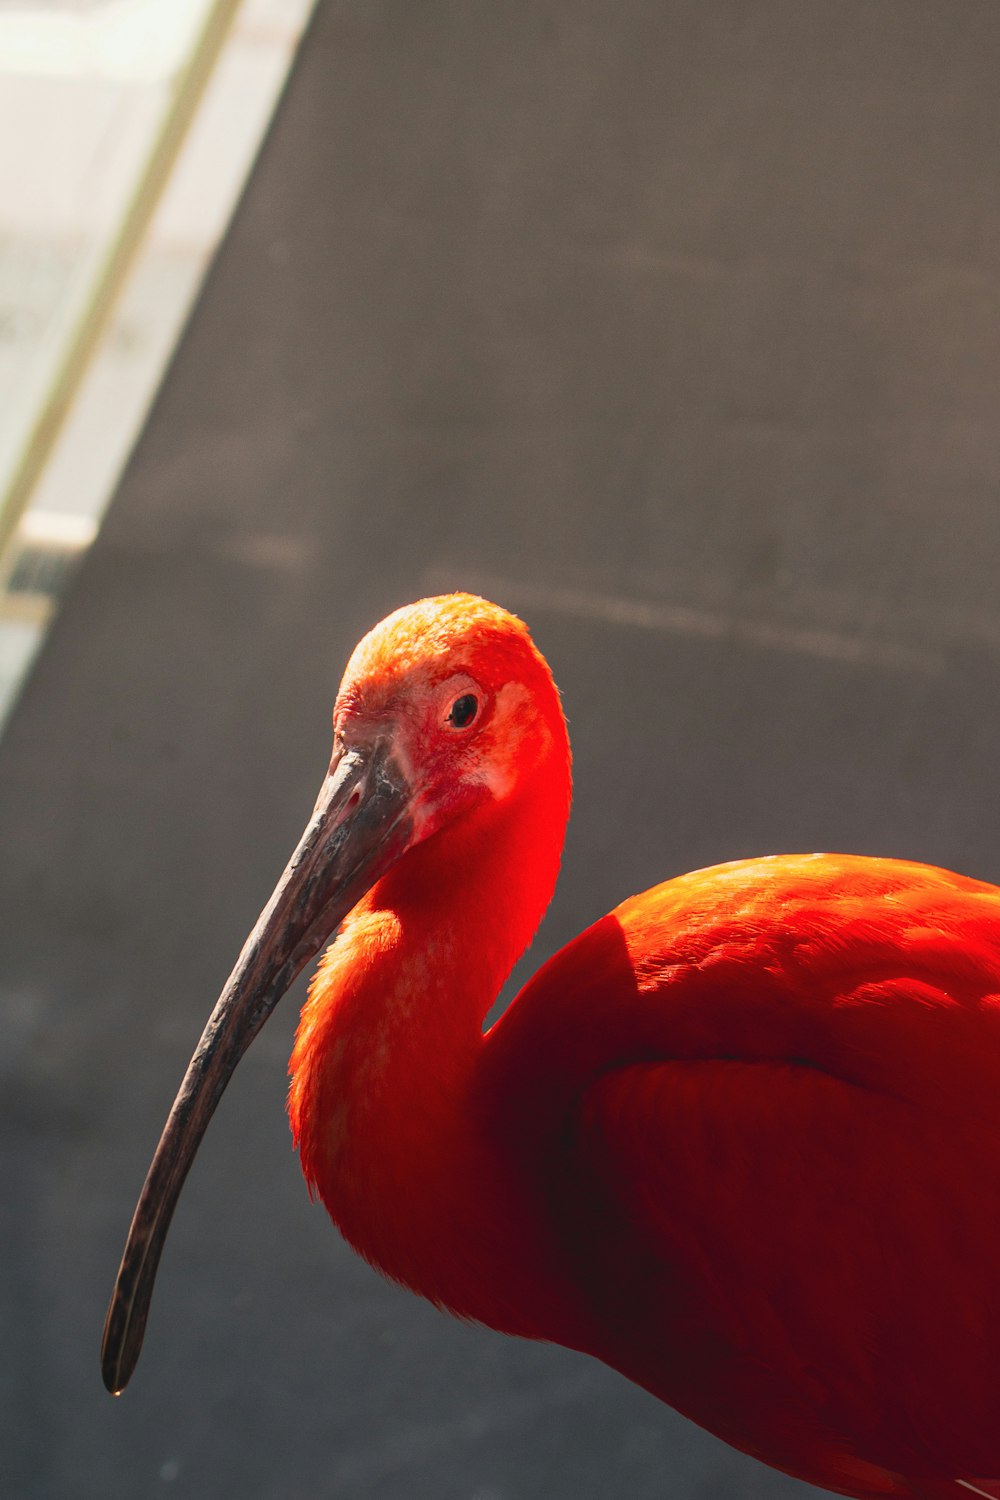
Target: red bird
740, 1139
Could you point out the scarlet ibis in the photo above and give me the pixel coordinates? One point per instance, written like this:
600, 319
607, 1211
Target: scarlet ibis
740, 1139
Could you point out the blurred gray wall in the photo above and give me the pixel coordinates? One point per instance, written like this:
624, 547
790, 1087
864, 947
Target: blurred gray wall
673, 326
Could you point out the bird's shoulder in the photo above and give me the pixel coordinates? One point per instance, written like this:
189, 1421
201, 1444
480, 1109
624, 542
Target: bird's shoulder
821, 906
885, 973
882, 972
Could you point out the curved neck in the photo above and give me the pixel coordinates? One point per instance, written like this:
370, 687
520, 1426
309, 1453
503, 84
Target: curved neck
394, 1135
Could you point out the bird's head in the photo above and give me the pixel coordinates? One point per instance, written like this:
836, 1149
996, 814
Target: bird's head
450, 700
445, 708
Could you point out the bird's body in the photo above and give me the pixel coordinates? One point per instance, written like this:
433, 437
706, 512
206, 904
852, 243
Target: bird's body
740, 1139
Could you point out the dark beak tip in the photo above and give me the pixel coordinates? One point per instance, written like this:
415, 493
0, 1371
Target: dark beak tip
112, 1376
115, 1375
110, 1370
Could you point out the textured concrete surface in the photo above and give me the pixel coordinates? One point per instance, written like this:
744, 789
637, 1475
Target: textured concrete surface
671, 325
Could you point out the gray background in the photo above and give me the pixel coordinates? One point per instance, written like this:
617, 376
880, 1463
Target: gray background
672, 325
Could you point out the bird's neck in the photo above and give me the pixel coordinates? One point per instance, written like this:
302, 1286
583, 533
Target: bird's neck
407, 1150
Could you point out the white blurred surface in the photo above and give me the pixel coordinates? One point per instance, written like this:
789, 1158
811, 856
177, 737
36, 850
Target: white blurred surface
85, 89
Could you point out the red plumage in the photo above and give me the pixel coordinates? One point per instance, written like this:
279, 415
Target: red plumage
740, 1139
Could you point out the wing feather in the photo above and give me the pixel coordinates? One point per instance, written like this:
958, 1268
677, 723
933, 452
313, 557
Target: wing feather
817, 1256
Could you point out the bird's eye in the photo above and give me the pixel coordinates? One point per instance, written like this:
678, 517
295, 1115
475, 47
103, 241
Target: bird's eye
464, 711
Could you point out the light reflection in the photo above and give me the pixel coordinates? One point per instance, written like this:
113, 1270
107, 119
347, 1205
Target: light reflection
131, 39
124, 145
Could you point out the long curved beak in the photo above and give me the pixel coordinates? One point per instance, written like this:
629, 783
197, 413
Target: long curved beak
359, 827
